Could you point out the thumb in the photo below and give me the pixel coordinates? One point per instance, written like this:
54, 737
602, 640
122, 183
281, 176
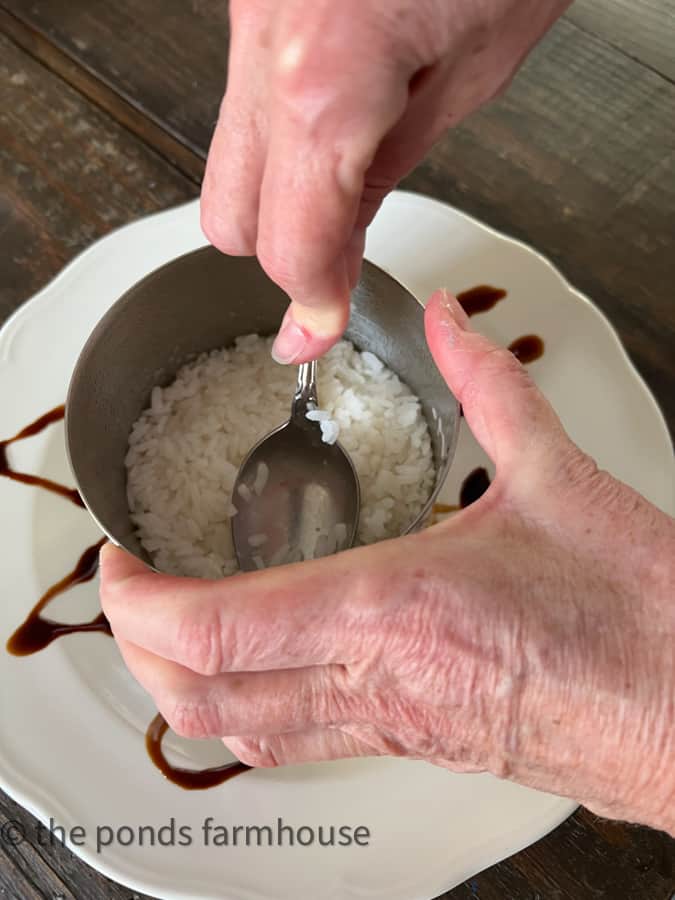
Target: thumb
116, 565
509, 416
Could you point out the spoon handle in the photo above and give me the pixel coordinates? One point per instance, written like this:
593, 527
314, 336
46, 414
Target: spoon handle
305, 391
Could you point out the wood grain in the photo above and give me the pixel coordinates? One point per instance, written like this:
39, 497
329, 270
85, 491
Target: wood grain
167, 58
641, 28
69, 175
584, 858
31, 871
103, 96
577, 159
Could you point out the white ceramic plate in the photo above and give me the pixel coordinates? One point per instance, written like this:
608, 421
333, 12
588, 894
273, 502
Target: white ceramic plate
72, 721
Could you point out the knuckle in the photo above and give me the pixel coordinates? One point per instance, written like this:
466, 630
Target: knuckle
417, 32
295, 78
211, 225
329, 696
283, 267
254, 751
499, 362
200, 642
305, 85
578, 469
193, 720
309, 98
226, 236
597, 488
417, 635
573, 473
374, 191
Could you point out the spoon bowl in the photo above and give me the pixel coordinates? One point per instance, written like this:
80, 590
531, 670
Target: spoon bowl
297, 497
201, 302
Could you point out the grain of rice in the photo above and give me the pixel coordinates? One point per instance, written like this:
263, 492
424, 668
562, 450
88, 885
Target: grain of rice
186, 448
317, 415
330, 431
261, 478
244, 492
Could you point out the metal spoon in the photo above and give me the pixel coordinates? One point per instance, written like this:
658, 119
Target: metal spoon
296, 497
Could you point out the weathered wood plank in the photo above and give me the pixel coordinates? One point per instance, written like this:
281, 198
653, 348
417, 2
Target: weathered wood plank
641, 28
69, 175
30, 871
168, 58
584, 858
576, 159
103, 96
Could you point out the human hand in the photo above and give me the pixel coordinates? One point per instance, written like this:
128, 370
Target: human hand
531, 635
327, 107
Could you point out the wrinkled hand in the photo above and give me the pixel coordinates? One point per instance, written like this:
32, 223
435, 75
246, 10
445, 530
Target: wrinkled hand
531, 635
327, 107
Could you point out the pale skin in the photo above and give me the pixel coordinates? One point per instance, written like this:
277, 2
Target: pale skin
327, 107
531, 635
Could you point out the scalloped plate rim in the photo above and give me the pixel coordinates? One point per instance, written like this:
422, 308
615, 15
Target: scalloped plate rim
42, 803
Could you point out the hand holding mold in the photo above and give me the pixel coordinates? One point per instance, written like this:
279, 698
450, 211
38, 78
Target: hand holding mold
531, 635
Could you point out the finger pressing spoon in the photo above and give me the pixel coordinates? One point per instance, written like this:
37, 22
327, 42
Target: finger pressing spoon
296, 495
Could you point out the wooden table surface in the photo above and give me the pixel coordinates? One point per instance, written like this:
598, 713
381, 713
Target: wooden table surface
106, 111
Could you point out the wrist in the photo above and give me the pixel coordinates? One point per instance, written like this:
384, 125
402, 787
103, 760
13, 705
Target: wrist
657, 800
593, 717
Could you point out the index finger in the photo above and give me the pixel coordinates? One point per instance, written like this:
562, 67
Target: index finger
330, 109
285, 617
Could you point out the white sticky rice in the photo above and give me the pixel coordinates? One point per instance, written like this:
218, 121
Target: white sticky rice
186, 448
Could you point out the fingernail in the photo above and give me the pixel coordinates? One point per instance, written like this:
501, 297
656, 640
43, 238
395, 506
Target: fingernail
452, 310
290, 342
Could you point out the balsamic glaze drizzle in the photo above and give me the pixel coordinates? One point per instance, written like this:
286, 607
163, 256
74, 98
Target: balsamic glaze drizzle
6, 470
480, 299
527, 348
189, 779
37, 631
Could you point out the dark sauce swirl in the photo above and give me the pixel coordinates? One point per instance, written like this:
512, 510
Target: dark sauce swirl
189, 779
6, 470
37, 631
